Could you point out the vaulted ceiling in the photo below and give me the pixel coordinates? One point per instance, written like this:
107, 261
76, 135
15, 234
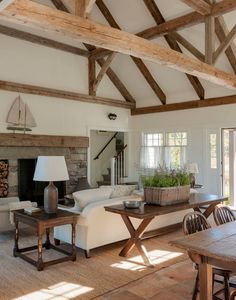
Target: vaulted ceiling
202, 30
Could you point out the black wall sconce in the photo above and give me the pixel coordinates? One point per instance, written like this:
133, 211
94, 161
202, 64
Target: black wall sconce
112, 116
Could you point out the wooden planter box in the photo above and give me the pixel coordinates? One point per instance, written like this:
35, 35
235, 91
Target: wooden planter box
167, 195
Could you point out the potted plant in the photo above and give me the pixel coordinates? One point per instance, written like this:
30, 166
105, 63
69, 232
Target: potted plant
167, 187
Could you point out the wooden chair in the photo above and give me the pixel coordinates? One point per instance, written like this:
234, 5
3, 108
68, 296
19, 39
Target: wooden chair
194, 222
223, 214
233, 295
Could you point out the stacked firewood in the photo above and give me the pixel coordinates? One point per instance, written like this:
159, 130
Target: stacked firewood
3, 178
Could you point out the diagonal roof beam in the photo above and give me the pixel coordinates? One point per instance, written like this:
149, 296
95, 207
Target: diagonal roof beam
4, 4
225, 43
138, 62
34, 15
110, 73
39, 40
200, 6
187, 20
221, 32
103, 70
187, 45
157, 16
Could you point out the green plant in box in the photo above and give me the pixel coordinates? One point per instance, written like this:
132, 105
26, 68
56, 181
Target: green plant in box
164, 177
167, 186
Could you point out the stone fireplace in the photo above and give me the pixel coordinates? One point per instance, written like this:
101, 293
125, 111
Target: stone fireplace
20, 147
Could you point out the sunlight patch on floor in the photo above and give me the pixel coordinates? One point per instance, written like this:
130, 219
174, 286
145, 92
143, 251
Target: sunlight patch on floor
60, 291
156, 256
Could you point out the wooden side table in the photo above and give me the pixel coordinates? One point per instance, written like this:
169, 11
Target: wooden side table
43, 223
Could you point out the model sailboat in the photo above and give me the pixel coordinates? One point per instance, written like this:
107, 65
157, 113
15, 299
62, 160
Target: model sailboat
20, 117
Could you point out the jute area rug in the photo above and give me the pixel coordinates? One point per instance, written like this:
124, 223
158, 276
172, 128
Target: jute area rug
83, 279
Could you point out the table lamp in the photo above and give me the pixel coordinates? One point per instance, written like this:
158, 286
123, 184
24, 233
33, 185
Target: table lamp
192, 168
51, 168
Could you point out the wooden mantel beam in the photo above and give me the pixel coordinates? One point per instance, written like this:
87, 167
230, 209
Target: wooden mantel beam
187, 20
184, 105
200, 6
48, 92
4, 4
34, 15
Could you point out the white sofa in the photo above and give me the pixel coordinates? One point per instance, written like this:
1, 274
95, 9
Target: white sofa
97, 227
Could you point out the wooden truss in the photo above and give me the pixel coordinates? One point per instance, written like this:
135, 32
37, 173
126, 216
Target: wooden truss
113, 40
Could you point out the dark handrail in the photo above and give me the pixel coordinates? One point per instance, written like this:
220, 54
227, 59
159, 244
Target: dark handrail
97, 157
122, 150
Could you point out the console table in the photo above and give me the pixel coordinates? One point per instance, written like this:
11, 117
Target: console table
148, 212
43, 222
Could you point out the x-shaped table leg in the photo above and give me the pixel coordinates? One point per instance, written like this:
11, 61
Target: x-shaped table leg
135, 239
208, 210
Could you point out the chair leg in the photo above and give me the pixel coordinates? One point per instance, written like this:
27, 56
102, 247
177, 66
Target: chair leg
196, 287
226, 288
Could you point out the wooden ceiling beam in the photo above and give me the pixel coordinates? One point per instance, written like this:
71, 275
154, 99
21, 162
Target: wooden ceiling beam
4, 4
187, 45
103, 70
34, 15
158, 17
221, 32
187, 20
91, 76
48, 92
185, 105
83, 7
200, 6
110, 73
138, 62
225, 43
209, 39
35, 39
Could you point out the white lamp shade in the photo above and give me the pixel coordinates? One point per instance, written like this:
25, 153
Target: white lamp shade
192, 168
51, 168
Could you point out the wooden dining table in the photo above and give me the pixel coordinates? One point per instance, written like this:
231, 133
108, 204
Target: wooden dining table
212, 247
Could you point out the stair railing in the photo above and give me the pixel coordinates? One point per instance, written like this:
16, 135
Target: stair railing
118, 167
111, 139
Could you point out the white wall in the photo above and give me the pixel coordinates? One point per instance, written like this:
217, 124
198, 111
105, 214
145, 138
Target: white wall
198, 123
25, 62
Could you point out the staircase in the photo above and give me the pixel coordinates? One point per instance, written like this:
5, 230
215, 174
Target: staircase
107, 177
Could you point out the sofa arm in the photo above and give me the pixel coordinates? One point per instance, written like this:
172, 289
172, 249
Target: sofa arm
4, 208
7, 200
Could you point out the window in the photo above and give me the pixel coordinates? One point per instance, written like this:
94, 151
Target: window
159, 149
213, 152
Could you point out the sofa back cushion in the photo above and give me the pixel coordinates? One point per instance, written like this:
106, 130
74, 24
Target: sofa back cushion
120, 190
85, 197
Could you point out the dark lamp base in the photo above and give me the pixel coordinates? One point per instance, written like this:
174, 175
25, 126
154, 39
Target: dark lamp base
50, 198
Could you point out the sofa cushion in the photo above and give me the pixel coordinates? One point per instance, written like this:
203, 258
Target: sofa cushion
120, 190
85, 197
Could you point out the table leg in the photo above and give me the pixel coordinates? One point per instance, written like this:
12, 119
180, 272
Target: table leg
210, 209
40, 250
47, 243
205, 280
16, 246
135, 239
73, 241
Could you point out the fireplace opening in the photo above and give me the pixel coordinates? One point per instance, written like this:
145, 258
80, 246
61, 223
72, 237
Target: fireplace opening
33, 190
